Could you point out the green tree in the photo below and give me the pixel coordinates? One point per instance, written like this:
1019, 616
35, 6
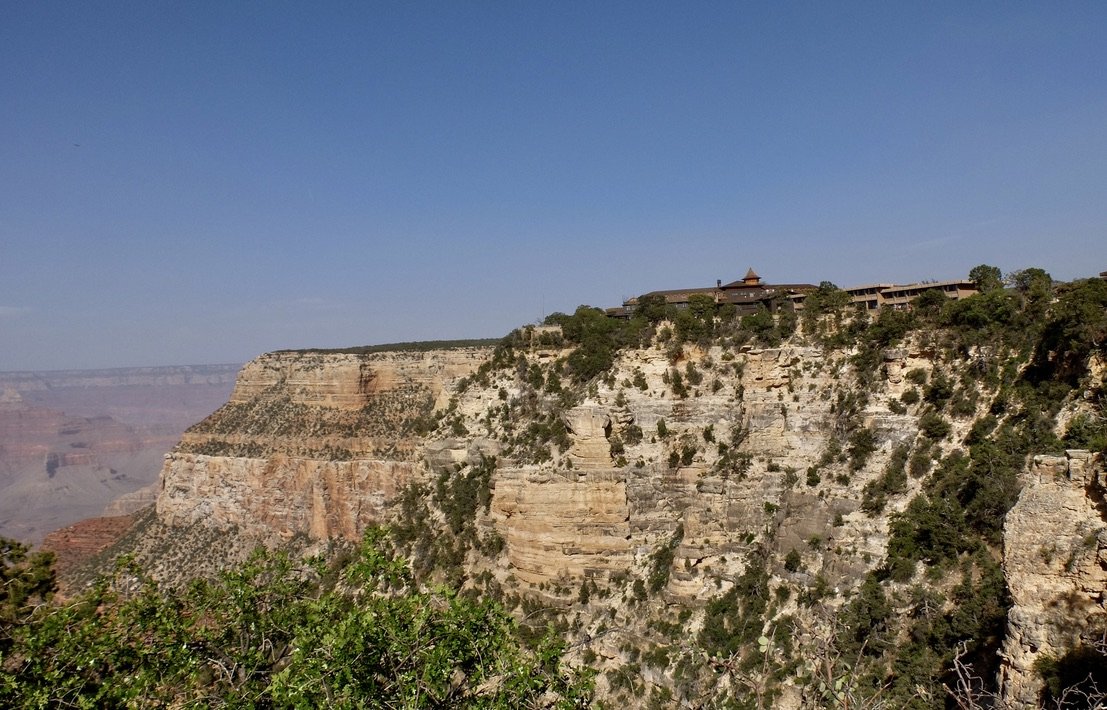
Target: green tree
1034, 283
283, 633
597, 339
930, 302
762, 326
987, 278
827, 298
26, 580
653, 308
1076, 327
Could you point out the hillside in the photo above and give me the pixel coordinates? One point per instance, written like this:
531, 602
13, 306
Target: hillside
822, 509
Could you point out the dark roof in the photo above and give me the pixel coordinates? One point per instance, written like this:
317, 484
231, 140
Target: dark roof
780, 287
674, 293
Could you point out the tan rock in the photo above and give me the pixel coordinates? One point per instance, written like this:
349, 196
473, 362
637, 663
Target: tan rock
1054, 541
133, 502
280, 495
589, 426
561, 526
349, 380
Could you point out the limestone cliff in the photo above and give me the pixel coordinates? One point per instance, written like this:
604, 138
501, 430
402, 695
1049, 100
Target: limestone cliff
1055, 562
310, 443
750, 459
280, 495
822, 509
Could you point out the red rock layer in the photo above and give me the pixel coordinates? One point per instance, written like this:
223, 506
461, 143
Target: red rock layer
77, 543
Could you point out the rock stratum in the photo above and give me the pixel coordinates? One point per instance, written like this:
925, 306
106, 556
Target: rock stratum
632, 507
310, 444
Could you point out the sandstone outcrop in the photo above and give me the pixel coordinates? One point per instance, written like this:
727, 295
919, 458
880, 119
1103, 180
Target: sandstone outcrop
318, 444
351, 380
563, 526
661, 484
1055, 562
331, 405
314, 444
280, 495
132, 502
589, 426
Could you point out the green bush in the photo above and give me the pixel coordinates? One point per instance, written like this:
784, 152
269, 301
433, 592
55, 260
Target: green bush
934, 427
733, 622
661, 561
1087, 431
893, 481
282, 633
862, 443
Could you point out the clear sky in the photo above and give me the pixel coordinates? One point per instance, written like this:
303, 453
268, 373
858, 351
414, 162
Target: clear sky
198, 182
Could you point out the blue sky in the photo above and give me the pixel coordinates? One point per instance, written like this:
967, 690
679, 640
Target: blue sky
205, 181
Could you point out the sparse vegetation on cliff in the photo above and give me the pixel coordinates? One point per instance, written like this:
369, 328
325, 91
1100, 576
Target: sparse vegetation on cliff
691, 499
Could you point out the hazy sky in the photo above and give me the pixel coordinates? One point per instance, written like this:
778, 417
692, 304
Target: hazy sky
195, 182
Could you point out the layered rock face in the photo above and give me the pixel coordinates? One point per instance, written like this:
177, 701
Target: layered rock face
590, 427
310, 443
586, 515
331, 405
352, 381
563, 526
319, 444
1055, 562
280, 495
685, 467
76, 543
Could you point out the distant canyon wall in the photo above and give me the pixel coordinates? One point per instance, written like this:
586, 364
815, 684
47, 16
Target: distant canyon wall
71, 442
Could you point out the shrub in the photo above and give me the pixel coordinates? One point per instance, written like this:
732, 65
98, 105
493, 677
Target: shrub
917, 376
939, 390
892, 481
933, 426
661, 562
1087, 431
300, 633
862, 443
733, 621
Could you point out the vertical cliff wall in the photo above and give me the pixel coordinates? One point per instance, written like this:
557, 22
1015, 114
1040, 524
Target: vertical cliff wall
1055, 562
680, 481
312, 443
